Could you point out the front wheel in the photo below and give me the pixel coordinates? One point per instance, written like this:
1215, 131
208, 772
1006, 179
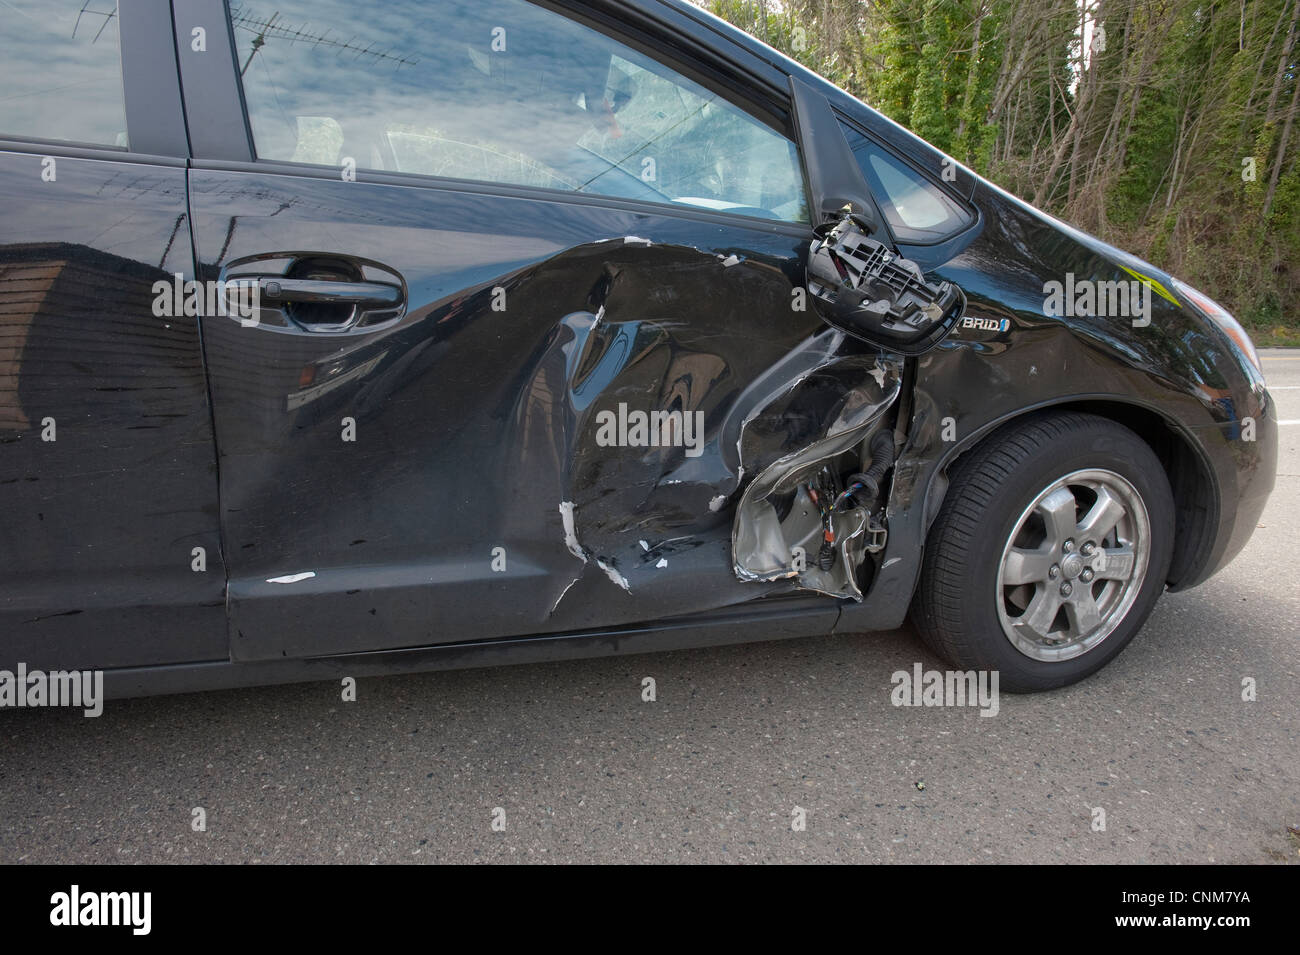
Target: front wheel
1050, 550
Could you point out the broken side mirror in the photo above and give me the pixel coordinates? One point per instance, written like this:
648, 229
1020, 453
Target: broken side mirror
862, 288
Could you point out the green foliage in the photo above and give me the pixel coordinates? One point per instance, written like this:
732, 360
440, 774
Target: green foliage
1141, 142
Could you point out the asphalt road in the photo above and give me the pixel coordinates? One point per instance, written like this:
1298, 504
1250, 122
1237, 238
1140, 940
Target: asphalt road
713, 770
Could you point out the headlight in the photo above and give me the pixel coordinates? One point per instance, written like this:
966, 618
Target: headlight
1231, 327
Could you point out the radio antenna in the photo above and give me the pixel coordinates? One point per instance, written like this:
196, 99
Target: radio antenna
85, 9
272, 27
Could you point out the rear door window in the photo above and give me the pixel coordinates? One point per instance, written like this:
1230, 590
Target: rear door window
61, 72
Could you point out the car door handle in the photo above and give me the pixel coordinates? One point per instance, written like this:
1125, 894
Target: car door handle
318, 292
366, 295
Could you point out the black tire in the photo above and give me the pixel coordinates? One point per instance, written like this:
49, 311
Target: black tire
956, 607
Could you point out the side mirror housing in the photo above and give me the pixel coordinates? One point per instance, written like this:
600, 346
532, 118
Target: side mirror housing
862, 288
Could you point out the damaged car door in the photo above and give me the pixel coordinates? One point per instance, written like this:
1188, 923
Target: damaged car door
533, 340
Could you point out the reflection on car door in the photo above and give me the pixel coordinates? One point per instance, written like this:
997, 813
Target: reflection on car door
109, 551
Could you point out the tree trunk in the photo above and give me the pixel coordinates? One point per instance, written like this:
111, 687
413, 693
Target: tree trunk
1281, 148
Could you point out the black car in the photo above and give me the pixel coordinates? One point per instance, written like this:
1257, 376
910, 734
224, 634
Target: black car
342, 338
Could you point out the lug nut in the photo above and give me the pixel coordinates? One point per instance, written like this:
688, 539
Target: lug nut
1088, 549
1066, 589
1086, 575
1054, 571
1068, 545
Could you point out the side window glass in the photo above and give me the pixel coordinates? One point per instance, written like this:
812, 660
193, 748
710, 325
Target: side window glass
918, 210
501, 91
61, 72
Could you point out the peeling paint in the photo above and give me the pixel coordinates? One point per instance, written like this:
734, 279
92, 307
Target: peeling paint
563, 592
577, 550
570, 534
291, 578
612, 573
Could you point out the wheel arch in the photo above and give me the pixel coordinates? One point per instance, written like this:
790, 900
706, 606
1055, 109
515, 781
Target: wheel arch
1191, 477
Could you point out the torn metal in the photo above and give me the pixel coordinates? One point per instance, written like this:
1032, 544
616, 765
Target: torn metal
798, 518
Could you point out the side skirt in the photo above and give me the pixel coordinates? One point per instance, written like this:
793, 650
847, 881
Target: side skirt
786, 618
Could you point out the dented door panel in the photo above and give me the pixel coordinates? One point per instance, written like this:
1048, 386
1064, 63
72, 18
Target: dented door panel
552, 437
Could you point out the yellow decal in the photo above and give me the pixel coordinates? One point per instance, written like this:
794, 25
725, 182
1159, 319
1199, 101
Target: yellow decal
1152, 284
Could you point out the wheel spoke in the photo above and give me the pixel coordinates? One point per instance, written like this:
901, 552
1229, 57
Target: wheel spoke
1102, 517
1083, 613
1038, 617
1116, 563
1025, 566
1058, 514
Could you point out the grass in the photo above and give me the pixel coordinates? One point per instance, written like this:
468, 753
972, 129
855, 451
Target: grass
1274, 336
